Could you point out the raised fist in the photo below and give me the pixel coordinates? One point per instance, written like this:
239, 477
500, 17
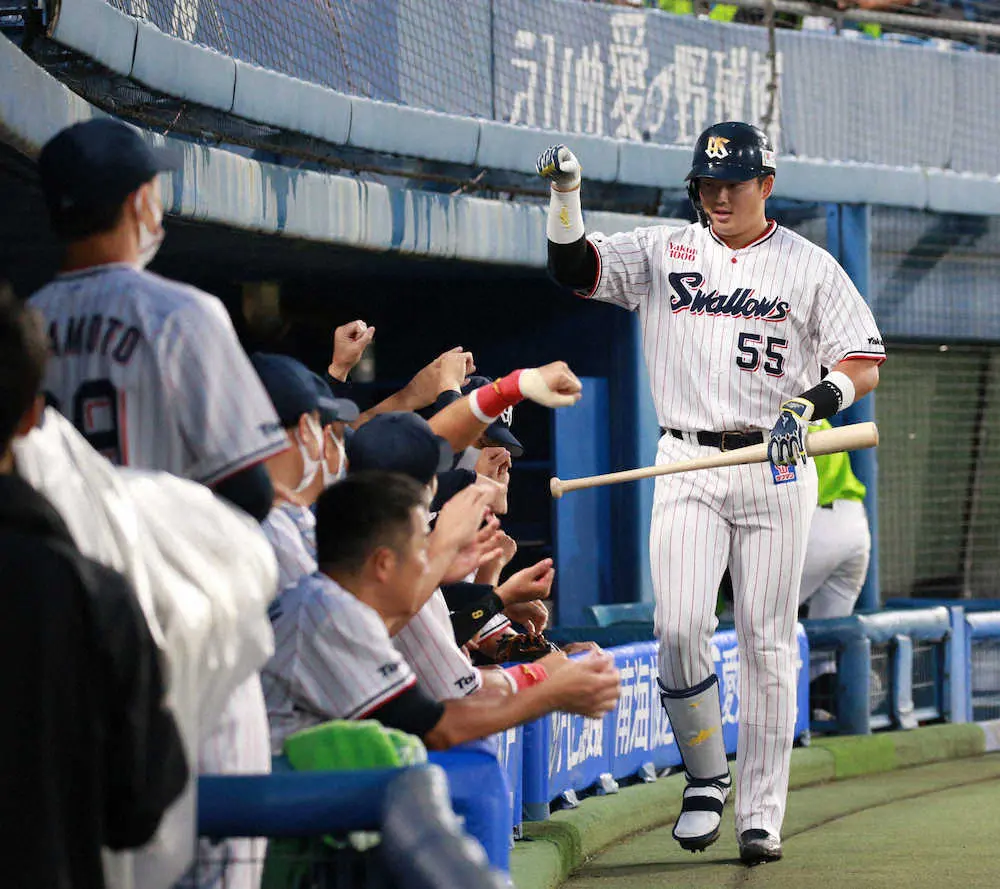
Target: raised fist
552, 385
559, 165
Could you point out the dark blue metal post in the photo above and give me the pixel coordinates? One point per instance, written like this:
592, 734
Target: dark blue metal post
581, 447
849, 240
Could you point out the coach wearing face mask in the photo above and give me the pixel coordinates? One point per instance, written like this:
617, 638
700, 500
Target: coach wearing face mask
334, 415
149, 370
299, 473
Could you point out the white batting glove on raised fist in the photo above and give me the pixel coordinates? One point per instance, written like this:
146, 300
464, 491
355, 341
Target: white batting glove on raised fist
553, 385
559, 165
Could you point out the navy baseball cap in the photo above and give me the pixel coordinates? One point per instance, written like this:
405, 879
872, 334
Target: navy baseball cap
499, 429
331, 409
399, 442
289, 383
96, 163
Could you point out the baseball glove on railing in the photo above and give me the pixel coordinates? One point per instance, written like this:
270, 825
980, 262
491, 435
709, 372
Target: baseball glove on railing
523, 648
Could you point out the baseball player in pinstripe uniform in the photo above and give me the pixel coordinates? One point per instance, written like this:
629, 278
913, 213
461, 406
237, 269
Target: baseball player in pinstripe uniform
149, 370
151, 373
333, 655
738, 315
403, 442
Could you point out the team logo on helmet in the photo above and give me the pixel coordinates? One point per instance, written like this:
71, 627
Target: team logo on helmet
716, 147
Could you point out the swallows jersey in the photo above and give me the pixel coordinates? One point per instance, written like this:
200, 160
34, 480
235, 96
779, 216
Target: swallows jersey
728, 335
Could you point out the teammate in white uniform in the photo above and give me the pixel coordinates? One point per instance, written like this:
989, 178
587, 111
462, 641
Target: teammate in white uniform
404, 443
149, 370
837, 555
151, 373
738, 316
334, 658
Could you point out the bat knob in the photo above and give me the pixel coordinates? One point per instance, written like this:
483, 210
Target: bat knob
556, 488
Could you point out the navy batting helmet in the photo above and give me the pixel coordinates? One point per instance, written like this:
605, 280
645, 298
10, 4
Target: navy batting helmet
733, 151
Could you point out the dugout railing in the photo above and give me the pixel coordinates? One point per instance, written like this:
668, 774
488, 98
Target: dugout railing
895, 669
429, 826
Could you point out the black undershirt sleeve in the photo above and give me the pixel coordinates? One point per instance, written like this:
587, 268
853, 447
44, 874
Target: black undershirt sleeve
414, 711
468, 622
462, 595
573, 265
825, 398
250, 489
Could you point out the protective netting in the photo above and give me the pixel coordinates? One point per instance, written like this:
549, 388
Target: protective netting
434, 55
621, 71
934, 287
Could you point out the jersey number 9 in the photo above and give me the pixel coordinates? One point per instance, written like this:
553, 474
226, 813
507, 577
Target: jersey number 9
95, 416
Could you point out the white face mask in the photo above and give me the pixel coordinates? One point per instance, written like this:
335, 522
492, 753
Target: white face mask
470, 457
149, 242
330, 478
309, 466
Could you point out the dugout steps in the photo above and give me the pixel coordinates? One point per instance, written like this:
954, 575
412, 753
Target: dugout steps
555, 848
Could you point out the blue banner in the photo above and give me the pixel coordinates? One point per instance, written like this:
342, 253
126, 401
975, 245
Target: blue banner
510, 750
565, 752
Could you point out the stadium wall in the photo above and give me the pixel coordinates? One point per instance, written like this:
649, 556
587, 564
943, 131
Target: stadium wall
846, 152
589, 68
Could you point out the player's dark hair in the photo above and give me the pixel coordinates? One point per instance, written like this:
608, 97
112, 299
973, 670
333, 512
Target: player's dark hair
77, 223
356, 516
23, 351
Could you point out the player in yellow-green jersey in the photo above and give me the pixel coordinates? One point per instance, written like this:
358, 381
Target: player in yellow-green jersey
839, 546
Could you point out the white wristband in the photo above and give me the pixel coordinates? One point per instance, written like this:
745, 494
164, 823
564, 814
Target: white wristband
511, 681
565, 220
846, 386
477, 411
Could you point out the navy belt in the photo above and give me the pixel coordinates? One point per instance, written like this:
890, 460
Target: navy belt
724, 441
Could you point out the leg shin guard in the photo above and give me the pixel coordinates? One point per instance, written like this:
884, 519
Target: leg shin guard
696, 718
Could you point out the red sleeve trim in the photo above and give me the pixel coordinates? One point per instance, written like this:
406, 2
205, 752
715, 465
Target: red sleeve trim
504, 626
878, 357
600, 272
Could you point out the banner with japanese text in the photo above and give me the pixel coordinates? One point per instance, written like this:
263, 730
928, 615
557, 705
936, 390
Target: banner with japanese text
565, 752
608, 70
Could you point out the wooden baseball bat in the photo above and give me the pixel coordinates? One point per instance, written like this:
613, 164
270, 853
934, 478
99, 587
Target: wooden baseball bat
827, 441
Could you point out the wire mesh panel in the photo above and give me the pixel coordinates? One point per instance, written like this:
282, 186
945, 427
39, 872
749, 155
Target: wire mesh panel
938, 404
985, 679
880, 684
926, 680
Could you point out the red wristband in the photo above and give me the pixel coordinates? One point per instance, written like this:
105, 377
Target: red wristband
493, 399
527, 675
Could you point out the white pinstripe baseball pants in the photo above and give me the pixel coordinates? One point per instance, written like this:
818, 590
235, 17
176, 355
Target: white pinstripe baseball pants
736, 516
